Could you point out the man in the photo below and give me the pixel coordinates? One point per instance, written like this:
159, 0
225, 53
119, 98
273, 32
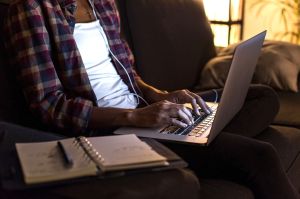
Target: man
77, 75
56, 74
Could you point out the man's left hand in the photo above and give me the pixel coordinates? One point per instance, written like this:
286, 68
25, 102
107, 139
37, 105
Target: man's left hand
185, 96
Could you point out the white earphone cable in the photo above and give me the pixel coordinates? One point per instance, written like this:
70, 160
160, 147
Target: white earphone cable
114, 57
216, 95
130, 81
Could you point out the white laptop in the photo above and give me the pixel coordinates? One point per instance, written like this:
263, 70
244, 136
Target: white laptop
207, 127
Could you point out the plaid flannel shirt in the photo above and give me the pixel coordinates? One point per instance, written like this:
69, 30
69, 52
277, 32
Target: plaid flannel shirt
48, 65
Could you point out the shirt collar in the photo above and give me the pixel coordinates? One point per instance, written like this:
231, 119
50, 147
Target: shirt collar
66, 2
70, 5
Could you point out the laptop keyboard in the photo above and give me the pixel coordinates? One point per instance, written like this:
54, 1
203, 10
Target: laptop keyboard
201, 123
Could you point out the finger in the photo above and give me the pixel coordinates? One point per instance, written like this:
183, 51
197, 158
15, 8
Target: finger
195, 106
184, 117
202, 104
189, 97
176, 122
179, 111
188, 112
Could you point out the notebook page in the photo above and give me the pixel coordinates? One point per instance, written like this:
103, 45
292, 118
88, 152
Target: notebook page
125, 151
43, 162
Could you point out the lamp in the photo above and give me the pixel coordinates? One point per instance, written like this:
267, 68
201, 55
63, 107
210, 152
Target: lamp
227, 20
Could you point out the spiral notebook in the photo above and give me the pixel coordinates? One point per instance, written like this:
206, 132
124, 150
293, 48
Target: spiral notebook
43, 162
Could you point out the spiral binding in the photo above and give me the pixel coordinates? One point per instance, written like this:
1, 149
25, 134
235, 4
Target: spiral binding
87, 146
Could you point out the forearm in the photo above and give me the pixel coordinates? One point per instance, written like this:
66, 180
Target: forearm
110, 117
151, 94
155, 115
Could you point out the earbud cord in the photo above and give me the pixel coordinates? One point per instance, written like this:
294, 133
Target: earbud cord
107, 46
216, 95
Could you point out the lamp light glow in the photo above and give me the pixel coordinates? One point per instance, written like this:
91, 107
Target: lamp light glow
226, 18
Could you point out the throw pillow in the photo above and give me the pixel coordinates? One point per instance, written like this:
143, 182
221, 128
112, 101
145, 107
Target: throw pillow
278, 66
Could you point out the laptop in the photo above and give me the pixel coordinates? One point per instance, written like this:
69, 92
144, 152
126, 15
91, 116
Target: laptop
208, 126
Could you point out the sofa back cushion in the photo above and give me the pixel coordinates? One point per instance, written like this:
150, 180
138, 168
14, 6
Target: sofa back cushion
7, 101
171, 40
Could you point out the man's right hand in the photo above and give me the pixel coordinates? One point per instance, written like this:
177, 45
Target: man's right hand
160, 114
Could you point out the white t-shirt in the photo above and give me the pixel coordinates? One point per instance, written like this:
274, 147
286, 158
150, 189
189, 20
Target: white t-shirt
108, 86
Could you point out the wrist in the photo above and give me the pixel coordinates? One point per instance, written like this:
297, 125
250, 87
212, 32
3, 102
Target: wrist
129, 118
157, 96
154, 95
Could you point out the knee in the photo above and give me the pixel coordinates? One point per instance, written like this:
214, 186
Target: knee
270, 94
263, 91
267, 98
265, 157
271, 100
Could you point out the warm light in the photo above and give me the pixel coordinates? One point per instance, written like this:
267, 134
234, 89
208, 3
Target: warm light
217, 9
222, 18
221, 35
280, 18
236, 10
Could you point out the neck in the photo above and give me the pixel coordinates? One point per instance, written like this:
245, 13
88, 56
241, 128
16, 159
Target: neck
84, 12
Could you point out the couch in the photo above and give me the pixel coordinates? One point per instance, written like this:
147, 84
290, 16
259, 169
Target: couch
172, 42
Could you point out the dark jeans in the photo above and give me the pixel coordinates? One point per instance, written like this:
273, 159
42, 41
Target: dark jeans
236, 156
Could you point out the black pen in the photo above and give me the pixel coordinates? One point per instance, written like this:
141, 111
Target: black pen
66, 156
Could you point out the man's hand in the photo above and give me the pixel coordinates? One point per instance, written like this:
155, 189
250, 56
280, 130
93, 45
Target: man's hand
186, 96
160, 114
163, 101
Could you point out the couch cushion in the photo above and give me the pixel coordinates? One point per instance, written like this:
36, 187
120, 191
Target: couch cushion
294, 173
289, 112
172, 41
278, 66
286, 141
